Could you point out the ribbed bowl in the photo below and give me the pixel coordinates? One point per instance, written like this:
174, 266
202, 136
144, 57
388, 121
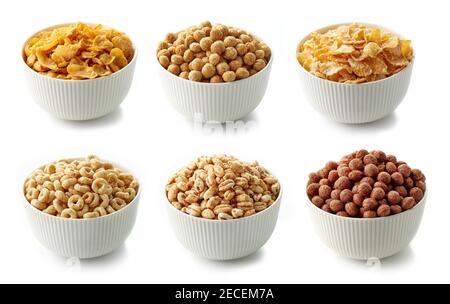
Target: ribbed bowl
80, 99
355, 103
224, 240
206, 102
363, 239
83, 238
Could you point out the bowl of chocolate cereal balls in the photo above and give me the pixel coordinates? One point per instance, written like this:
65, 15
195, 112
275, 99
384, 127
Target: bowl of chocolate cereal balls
214, 72
81, 208
367, 205
221, 208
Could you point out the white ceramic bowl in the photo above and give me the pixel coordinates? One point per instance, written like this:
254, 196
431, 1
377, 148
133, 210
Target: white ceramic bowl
83, 238
206, 102
363, 239
224, 240
355, 103
80, 99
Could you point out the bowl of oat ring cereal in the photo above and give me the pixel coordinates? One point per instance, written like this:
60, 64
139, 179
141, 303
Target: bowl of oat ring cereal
355, 73
82, 208
214, 72
79, 71
367, 205
221, 208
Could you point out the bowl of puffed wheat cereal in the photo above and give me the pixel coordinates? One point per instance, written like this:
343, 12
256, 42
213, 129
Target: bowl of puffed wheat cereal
79, 71
367, 205
81, 207
214, 72
222, 208
355, 73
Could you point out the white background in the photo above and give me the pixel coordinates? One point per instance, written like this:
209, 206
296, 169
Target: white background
285, 134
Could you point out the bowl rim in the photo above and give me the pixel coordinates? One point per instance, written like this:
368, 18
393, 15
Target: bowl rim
329, 27
222, 84
132, 62
82, 220
219, 222
357, 219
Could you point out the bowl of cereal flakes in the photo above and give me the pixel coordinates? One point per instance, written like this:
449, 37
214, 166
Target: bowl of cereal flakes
367, 205
79, 71
221, 208
214, 73
81, 208
355, 73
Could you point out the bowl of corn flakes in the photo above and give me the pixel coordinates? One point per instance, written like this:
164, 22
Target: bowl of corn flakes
355, 73
79, 71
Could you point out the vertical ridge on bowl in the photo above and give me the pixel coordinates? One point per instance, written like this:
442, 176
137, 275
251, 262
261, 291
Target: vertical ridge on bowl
356, 104
224, 240
83, 238
363, 239
215, 102
81, 99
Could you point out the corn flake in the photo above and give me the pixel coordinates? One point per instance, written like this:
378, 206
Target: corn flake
355, 54
78, 52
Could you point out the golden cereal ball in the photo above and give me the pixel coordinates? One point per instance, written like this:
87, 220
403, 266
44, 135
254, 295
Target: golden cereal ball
218, 47
230, 41
230, 53
245, 38
222, 68
259, 64
208, 70
260, 54
198, 35
184, 75
267, 50
164, 52
189, 40
164, 61
250, 59
200, 55
206, 43
174, 69
229, 76
177, 59
195, 47
241, 49
216, 79
162, 45
235, 64
197, 64
216, 34
178, 42
224, 29
195, 76
214, 59
242, 73
233, 32
206, 24
171, 50
253, 72
188, 56
251, 47
180, 49
205, 59
170, 37
185, 67
207, 30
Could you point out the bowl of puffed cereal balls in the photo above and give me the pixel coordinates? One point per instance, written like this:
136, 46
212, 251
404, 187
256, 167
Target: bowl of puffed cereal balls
222, 208
214, 72
79, 71
355, 73
367, 205
82, 208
